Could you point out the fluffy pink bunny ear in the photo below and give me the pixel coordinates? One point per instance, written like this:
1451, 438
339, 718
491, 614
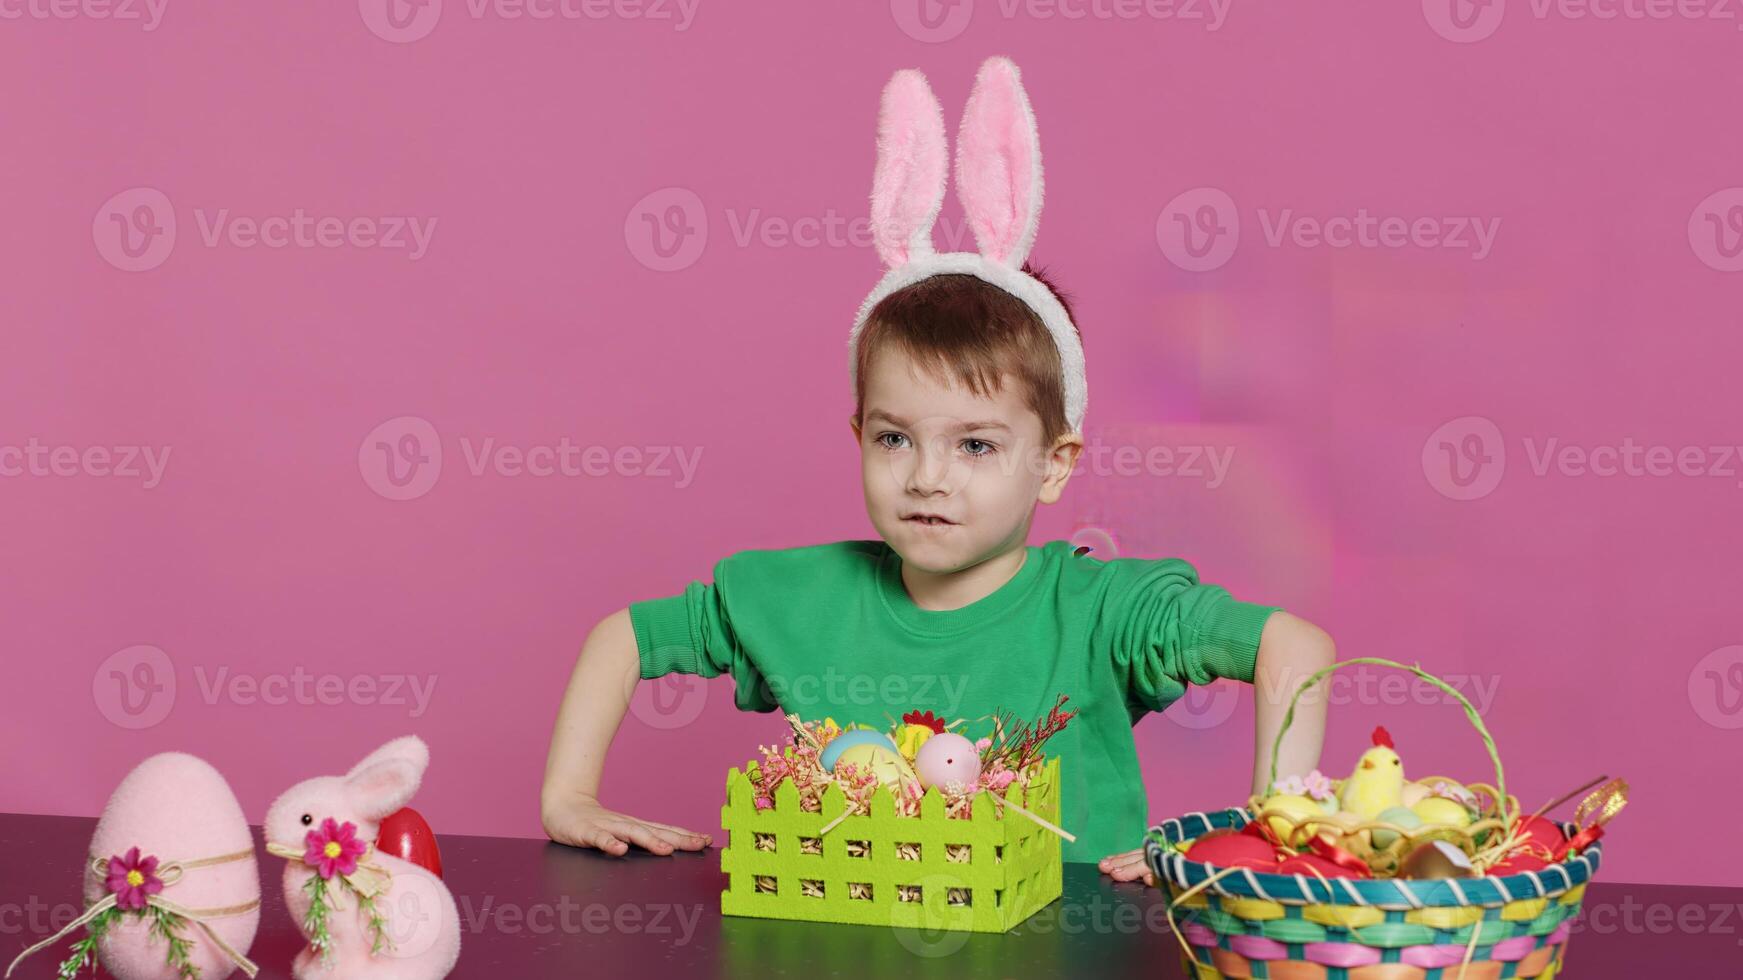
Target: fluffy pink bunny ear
913, 164
388, 778
998, 164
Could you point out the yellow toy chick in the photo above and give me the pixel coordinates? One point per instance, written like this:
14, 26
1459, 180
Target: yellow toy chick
917, 727
1378, 782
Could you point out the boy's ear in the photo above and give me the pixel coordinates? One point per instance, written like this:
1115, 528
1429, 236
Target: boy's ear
853, 423
1061, 462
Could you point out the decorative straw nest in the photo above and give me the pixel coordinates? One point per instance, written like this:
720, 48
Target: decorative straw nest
1477, 839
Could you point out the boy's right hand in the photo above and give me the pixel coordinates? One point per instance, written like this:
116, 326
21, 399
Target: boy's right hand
581, 822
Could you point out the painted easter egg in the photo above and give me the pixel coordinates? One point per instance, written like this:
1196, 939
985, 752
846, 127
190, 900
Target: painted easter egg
947, 758
1307, 864
886, 763
1234, 851
1398, 815
179, 810
1518, 863
846, 740
405, 834
1438, 810
1436, 859
1543, 835
1294, 811
1413, 794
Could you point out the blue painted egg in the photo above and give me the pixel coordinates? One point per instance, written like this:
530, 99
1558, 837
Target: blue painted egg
848, 739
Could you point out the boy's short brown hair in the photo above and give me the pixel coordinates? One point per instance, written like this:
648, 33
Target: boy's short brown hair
962, 327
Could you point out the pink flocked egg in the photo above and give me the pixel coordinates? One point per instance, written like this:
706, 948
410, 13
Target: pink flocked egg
177, 808
947, 758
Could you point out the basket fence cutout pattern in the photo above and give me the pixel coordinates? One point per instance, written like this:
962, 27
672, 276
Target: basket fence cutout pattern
986, 873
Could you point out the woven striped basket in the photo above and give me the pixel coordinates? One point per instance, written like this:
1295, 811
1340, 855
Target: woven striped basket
1242, 923
1294, 927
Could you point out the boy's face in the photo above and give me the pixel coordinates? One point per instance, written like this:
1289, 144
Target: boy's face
975, 465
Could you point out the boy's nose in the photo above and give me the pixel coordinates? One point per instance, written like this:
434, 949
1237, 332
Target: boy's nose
932, 472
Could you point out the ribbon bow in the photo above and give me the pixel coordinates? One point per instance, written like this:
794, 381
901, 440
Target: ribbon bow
329, 852
168, 873
1593, 812
369, 880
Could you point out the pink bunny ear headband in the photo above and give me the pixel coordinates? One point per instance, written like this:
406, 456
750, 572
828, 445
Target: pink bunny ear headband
998, 180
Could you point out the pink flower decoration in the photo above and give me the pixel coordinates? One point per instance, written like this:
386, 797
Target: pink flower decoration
133, 879
333, 849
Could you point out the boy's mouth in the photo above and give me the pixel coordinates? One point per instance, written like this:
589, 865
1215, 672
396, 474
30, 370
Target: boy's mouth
927, 520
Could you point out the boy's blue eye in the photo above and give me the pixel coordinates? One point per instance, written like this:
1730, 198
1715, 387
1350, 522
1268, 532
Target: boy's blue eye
986, 448
884, 440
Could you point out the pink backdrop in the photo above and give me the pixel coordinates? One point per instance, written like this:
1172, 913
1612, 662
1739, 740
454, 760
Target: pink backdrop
299, 296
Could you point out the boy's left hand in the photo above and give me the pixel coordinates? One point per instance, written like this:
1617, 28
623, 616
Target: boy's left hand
1129, 866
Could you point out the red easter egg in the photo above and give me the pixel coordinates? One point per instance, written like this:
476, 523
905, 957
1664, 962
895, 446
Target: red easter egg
1518, 863
1234, 851
406, 835
1307, 864
1541, 831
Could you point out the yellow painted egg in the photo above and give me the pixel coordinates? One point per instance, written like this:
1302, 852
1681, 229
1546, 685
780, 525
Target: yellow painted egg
1294, 811
1413, 794
1442, 811
889, 766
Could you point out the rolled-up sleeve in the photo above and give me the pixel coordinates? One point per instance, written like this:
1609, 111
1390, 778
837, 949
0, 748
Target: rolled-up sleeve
1167, 630
692, 633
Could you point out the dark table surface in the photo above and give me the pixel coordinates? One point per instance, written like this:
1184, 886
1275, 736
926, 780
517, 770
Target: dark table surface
531, 908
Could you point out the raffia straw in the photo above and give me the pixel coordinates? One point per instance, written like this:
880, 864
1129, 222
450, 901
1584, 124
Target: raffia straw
172, 872
831, 825
1194, 890
1511, 840
1040, 820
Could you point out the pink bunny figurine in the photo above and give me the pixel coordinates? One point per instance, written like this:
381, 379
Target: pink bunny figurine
409, 929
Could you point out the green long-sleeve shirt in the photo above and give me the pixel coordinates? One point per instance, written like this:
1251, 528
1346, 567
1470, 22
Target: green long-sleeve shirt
829, 630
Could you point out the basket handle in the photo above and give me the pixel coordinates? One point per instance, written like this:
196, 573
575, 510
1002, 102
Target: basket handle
1470, 712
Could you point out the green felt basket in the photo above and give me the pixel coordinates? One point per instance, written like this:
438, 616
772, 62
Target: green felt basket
983, 874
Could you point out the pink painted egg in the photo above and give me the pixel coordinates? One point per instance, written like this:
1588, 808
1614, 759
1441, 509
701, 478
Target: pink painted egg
947, 758
176, 807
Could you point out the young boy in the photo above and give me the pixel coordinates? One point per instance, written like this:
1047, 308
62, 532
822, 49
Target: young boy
969, 398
